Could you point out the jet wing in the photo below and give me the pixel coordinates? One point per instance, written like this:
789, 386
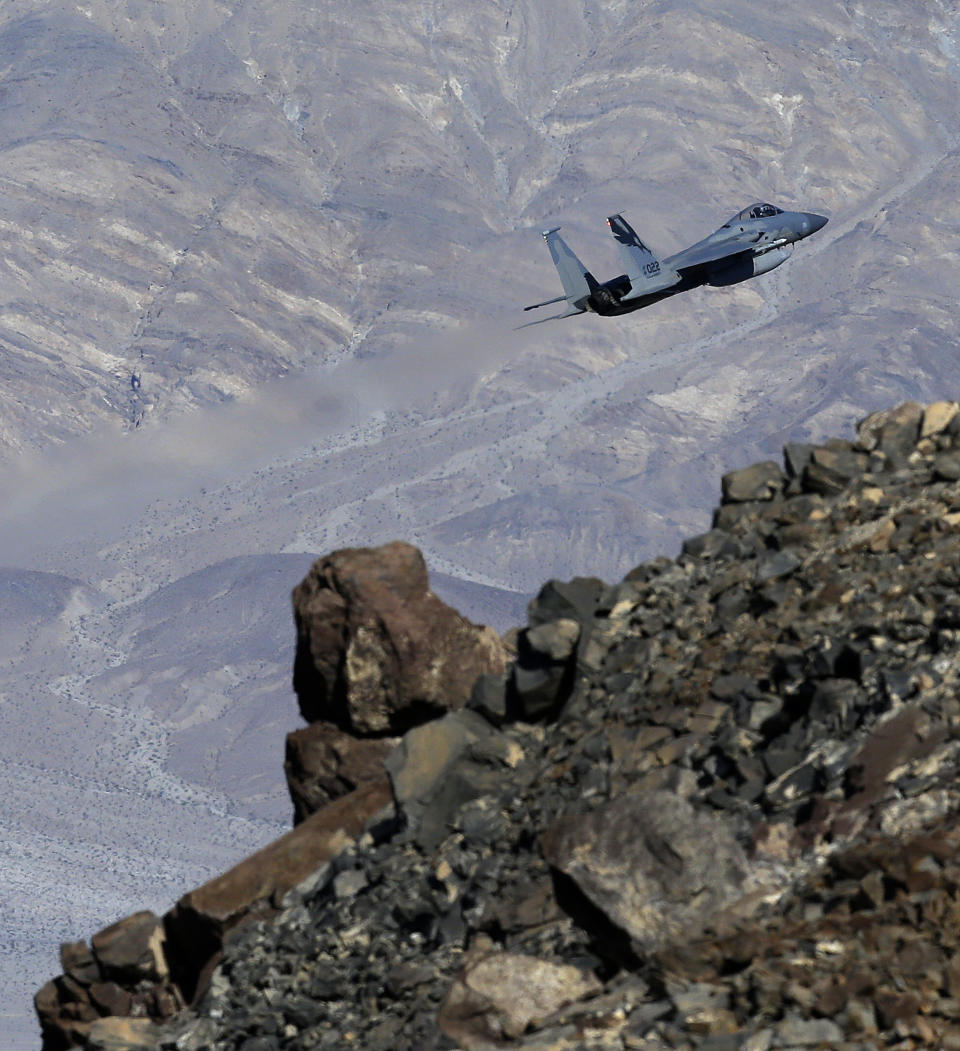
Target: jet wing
706, 252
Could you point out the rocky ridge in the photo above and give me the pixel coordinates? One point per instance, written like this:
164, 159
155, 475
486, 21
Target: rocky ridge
713, 806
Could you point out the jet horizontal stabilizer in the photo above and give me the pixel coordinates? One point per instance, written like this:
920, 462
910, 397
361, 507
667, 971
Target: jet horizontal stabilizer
553, 317
546, 302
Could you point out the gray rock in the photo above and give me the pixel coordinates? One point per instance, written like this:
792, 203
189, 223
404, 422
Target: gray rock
893, 432
762, 481
796, 456
575, 599
806, 1032
775, 565
652, 863
822, 479
438, 767
349, 882
946, 467
554, 640
717, 543
489, 698
540, 691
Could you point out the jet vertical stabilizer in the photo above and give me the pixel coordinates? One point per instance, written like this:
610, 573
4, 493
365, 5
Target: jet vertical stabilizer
576, 279
645, 271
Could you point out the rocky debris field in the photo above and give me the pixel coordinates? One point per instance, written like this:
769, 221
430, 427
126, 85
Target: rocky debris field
712, 807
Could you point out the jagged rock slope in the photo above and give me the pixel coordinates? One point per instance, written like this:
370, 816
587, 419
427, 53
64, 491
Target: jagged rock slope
713, 806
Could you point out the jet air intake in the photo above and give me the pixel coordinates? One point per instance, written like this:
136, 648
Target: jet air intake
750, 266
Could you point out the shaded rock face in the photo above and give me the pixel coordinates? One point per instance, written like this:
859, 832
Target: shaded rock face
731, 823
324, 762
377, 651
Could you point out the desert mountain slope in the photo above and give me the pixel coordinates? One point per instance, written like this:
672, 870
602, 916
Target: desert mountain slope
290, 243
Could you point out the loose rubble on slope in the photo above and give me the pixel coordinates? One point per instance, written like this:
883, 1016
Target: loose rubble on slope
712, 807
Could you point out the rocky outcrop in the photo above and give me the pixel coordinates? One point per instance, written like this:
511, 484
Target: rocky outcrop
144, 969
714, 806
123, 972
377, 654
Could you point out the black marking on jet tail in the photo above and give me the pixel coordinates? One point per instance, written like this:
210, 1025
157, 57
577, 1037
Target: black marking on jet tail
625, 233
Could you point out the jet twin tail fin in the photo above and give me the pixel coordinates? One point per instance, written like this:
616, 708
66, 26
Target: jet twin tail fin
577, 281
645, 271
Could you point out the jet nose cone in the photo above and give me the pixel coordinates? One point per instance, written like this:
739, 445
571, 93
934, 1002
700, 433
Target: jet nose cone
817, 222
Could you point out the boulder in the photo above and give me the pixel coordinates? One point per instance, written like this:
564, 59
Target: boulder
490, 698
377, 651
796, 456
894, 432
652, 863
123, 1034
544, 671
762, 481
946, 467
505, 994
324, 763
937, 417
77, 961
576, 599
132, 949
440, 766
554, 640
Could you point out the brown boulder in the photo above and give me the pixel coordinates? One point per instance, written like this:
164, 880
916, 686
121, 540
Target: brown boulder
132, 949
377, 651
78, 962
110, 999
123, 1034
324, 763
46, 1003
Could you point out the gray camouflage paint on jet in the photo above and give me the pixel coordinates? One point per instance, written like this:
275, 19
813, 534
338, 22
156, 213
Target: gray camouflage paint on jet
753, 242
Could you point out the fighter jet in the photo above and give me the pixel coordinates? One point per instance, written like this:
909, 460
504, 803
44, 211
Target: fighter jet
753, 242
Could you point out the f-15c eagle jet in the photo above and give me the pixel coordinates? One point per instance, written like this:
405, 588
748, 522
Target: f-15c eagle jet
753, 242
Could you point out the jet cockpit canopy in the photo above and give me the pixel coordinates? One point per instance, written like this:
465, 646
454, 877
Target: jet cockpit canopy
759, 211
